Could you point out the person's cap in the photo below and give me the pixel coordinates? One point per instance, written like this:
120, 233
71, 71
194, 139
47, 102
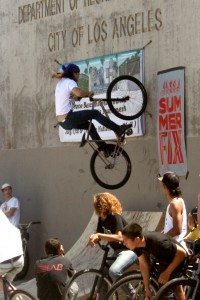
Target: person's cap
170, 179
5, 185
68, 69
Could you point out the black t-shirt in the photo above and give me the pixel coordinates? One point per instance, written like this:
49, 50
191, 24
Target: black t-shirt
160, 246
111, 225
52, 274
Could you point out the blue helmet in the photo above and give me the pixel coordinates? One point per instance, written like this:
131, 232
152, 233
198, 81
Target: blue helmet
69, 69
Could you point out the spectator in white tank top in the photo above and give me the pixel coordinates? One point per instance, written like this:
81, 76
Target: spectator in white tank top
176, 214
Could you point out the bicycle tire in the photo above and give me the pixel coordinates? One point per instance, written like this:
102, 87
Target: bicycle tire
124, 86
122, 288
167, 290
21, 295
88, 283
110, 172
24, 271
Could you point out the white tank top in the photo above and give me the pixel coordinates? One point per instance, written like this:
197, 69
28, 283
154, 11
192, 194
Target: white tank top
169, 223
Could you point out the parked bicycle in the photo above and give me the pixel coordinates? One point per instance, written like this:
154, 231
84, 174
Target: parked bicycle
190, 284
94, 283
127, 99
25, 235
157, 292
118, 289
12, 293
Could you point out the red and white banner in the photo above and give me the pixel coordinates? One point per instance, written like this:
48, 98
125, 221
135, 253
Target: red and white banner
171, 121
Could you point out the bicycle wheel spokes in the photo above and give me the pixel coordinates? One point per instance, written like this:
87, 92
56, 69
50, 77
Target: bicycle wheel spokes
89, 285
115, 172
127, 87
129, 288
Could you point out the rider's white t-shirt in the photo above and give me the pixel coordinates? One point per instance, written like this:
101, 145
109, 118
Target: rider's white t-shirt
8, 204
63, 96
10, 239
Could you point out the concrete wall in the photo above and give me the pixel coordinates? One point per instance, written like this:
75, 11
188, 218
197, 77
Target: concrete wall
53, 180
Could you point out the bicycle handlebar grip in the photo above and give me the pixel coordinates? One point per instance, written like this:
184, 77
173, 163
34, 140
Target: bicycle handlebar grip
36, 222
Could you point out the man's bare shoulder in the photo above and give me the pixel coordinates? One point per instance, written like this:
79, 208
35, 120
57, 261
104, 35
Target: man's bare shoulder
176, 204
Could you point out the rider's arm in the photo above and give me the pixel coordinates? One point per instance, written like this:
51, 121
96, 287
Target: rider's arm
81, 93
178, 258
109, 237
10, 212
144, 269
176, 208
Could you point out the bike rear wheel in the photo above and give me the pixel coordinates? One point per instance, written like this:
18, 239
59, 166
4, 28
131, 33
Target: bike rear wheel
127, 86
123, 288
21, 295
111, 172
166, 292
90, 284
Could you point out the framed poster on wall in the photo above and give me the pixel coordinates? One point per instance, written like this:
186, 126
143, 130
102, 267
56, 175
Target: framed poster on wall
96, 74
171, 121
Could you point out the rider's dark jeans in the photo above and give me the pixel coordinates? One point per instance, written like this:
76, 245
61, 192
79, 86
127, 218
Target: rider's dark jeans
80, 120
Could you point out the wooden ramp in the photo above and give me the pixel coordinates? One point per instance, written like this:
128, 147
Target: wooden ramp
83, 257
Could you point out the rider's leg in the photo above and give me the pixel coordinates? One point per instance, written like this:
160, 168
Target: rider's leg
10, 270
93, 132
79, 117
123, 261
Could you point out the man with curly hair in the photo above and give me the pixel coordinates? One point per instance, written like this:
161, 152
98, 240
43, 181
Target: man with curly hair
109, 227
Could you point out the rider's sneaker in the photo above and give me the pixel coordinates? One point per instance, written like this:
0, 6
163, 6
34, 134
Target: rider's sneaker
122, 129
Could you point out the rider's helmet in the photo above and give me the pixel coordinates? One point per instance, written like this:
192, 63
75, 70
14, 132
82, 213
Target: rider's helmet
5, 185
69, 69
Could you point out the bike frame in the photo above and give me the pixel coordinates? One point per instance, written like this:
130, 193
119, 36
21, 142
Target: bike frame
7, 288
92, 142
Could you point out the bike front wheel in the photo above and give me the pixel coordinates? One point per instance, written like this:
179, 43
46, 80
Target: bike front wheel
21, 295
190, 289
127, 97
88, 284
111, 172
130, 287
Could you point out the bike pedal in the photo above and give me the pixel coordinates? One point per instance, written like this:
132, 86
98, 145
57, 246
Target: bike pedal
129, 131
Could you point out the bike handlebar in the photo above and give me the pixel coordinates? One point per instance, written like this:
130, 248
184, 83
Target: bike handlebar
104, 247
123, 99
28, 225
36, 222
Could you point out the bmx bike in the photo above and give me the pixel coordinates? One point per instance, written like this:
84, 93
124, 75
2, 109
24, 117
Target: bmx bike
126, 99
12, 293
25, 235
